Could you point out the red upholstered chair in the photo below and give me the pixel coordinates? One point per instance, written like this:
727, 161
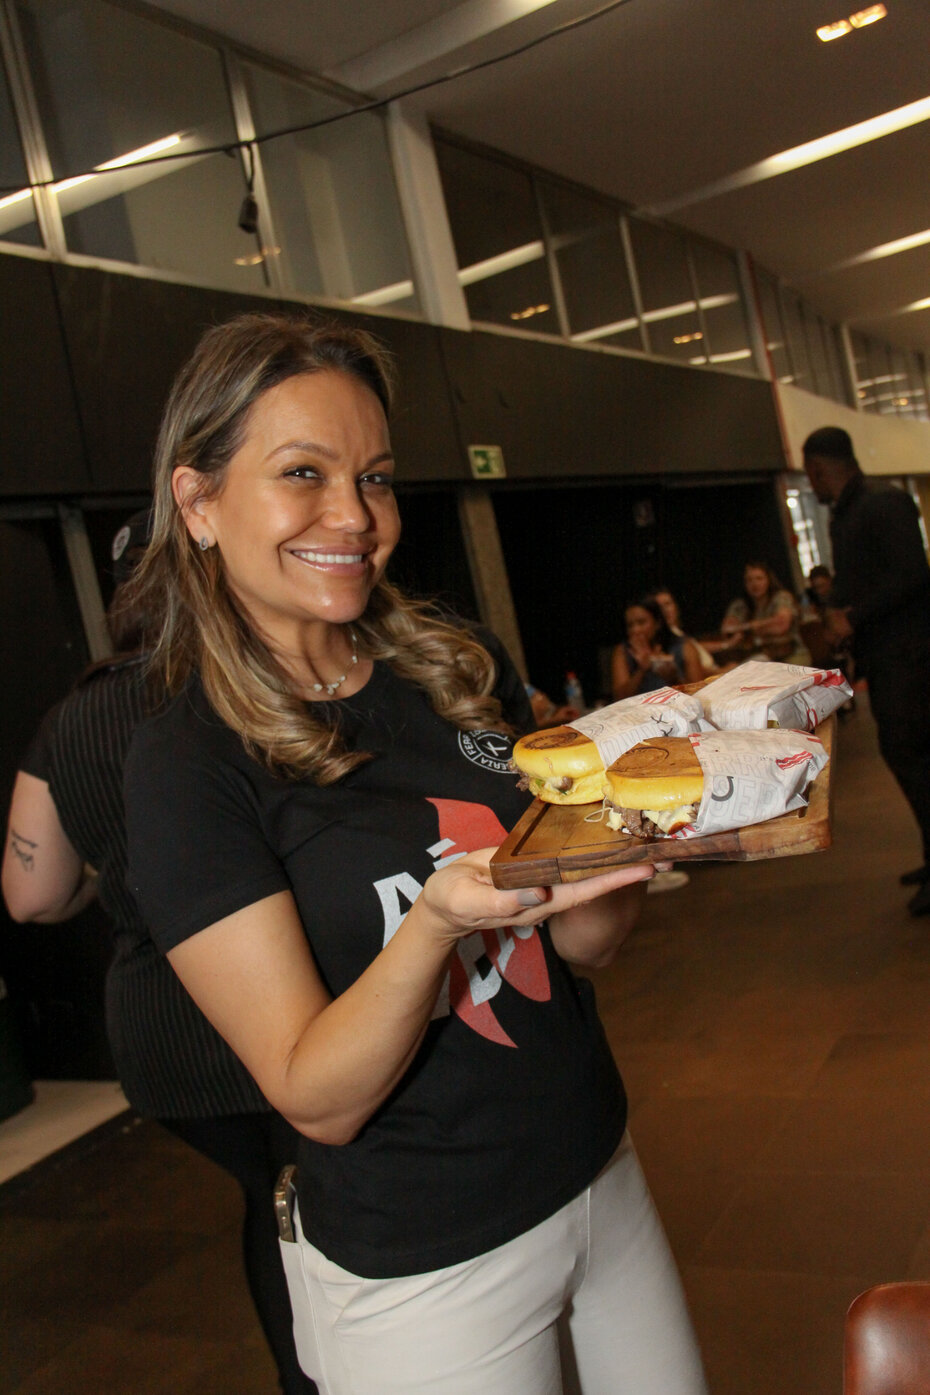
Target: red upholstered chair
887, 1341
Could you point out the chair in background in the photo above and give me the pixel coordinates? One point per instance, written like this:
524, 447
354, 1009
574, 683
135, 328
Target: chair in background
887, 1341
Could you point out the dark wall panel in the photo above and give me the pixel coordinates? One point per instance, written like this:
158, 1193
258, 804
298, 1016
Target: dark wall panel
126, 338
560, 411
40, 440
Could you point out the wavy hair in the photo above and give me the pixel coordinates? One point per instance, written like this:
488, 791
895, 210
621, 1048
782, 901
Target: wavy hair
202, 628
774, 584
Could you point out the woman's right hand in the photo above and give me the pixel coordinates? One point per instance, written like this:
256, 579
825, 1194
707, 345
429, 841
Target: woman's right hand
642, 654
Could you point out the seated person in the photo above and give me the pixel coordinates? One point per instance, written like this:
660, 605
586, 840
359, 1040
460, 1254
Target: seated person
670, 609
652, 656
762, 622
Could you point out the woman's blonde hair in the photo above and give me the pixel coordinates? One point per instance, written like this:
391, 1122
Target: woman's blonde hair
201, 628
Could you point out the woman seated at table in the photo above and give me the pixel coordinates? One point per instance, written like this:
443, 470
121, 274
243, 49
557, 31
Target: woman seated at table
762, 622
652, 656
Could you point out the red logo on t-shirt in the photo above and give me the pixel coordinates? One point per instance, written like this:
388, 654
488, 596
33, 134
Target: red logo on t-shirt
487, 958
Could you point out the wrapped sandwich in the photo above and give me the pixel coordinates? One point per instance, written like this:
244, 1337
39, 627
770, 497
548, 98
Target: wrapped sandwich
710, 782
760, 694
565, 765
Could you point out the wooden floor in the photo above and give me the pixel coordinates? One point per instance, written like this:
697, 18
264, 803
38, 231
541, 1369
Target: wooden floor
771, 1023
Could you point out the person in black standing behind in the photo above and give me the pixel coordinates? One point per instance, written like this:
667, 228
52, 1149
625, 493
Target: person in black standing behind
880, 603
66, 845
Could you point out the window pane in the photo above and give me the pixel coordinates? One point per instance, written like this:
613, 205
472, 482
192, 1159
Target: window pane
822, 381
669, 308
334, 205
833, 351
793, 320
498, 240
589, 252
111, 86
775, 337
722, 307
860, 350
17, 212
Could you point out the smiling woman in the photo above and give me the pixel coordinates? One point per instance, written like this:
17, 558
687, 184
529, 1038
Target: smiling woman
327, 787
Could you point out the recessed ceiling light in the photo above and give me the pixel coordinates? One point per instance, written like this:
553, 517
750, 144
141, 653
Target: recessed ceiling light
800, 155
867, 16
859, 20
826, 32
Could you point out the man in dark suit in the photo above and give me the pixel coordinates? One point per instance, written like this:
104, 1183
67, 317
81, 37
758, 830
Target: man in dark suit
880, 601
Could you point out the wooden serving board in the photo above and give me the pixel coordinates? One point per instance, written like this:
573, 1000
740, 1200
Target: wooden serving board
554, 843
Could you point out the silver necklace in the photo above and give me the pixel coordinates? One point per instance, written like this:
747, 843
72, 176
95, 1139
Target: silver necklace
332, 687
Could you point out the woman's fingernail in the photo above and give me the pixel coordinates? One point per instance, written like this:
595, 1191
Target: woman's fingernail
530, 896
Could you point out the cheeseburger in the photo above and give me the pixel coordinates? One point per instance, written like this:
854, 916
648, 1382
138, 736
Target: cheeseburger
654, 788
560, 766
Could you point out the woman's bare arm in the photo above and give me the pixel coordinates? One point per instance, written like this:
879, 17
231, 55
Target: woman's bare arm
328, 1063
44, 877
691, 662
624, 682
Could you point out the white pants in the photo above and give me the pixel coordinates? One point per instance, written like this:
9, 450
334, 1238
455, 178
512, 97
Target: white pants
587, 1303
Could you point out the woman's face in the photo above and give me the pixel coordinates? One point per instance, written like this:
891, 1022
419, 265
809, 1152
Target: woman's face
756, 581
640, 625
306, 518
669, 607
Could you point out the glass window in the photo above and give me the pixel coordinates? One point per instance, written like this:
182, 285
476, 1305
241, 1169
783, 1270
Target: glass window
821, 373
669, 308
498, 240
775, 337
860, 352
834, 352
793, 321
722, 309
114, 90
919, 390
17, 211
586, 241
334, 205
902, 385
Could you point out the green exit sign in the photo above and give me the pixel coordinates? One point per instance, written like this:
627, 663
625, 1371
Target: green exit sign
487, 462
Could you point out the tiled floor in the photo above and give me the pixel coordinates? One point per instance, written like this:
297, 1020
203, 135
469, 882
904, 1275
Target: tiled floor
770, 1019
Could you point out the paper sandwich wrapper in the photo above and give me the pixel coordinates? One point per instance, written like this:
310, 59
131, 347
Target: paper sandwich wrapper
621, 725
759, 694
752, 776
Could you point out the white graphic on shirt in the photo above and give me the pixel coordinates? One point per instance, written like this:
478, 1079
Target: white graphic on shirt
488, 749
484, 960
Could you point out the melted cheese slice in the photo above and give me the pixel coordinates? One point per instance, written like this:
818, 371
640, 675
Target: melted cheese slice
666, 819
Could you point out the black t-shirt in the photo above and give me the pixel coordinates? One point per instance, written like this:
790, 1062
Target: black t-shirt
513, 1103
171, 1062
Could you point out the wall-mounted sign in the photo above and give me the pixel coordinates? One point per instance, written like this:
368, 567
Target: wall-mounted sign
487, 462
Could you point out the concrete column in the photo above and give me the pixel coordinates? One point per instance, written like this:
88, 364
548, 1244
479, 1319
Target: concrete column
489, 571
419, 187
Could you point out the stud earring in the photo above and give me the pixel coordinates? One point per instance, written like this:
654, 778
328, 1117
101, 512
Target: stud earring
204, 544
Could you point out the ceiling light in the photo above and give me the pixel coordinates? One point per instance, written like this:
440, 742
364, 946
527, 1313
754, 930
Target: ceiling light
687, 338
826, 32
504, 261
867, 16
18, 197
807, 154
385, 295
255, 258
528, 312
884, 249
859, 20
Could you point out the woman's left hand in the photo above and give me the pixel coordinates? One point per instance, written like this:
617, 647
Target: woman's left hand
464, 893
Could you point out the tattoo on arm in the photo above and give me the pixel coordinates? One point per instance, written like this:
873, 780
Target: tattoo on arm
23, 849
